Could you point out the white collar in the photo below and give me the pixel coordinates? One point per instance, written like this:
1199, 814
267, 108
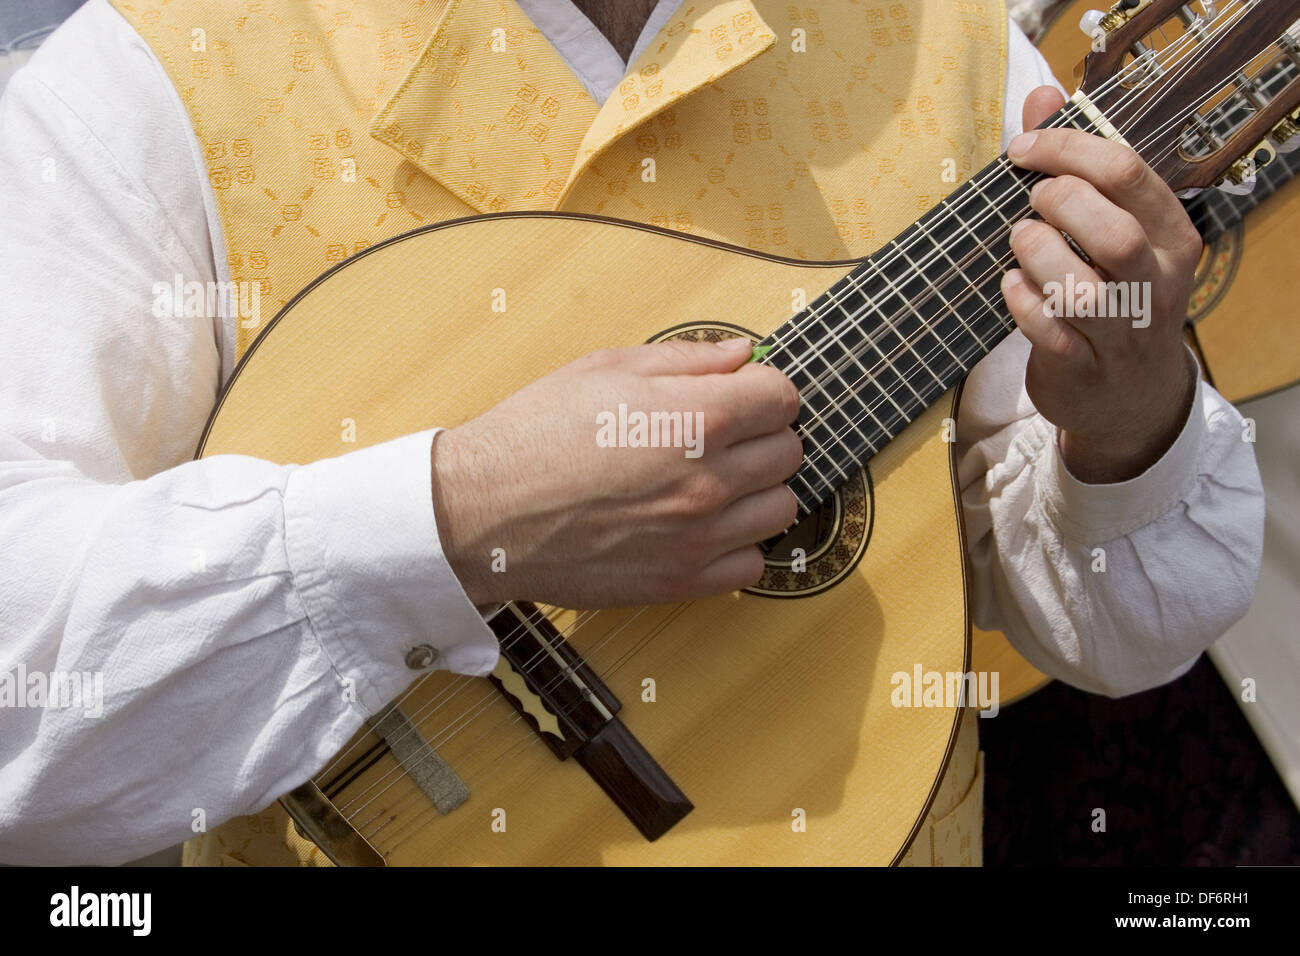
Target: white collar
592, 58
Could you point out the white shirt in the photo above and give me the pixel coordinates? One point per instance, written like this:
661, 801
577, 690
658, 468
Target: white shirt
227, 602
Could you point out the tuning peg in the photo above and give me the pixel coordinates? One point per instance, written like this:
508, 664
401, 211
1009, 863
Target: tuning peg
1119, 14
1090, 23
1243, 174
1244, 188
1286, 136
1236, 189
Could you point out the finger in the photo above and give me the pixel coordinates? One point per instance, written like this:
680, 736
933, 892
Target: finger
755, 518
1113, 168
757, 400
1111, 236
763, 462
1045, 332
737, 569
1039, 106
1055, 270
677, 358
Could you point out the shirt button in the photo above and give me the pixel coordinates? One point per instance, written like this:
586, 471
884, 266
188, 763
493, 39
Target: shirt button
421, 656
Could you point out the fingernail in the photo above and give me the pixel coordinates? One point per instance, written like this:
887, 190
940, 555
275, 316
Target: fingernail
1021, 145
1012, 279
736, 345
1019, 227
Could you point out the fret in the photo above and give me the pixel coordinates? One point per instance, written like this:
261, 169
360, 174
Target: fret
891, 337
985, 251
819, 359
828, 423
1212, 205
899, 329
975, 287
948, 305
1005, 221
957, 312
893, 328
854, 337
809, 498
1252, 199
1214, 212
851, 389
806, 380
971, 214
819, 454
926, 329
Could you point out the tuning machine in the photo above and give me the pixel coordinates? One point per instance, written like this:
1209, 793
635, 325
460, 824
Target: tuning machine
1119, 14
1097, 24
1285, 136
1242, 175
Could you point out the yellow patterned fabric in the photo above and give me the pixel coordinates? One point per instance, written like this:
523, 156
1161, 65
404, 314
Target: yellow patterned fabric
815, 131
953, 833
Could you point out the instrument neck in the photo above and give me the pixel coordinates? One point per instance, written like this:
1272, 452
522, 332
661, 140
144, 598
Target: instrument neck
894, 335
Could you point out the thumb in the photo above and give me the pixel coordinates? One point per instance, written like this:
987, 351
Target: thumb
1041, 104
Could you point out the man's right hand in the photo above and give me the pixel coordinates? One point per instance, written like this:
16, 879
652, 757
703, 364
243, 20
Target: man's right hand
585, 526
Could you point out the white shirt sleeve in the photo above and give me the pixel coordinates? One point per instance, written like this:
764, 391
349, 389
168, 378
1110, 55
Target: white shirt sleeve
244, 617
1112, 588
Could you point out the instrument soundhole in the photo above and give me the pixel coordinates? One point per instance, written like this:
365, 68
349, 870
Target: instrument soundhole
823, 548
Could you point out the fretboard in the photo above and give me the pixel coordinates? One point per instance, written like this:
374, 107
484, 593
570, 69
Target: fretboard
892, 337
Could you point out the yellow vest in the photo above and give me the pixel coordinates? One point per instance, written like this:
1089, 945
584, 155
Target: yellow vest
814, 131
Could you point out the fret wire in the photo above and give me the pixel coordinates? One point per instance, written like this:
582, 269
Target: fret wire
799, 474
815, 381
935, 329
948, 305
932, 330
870, 340
1211, 206
977, 288
979, 242
926, 401
993, 206
813, 494
905, 339
849, 390
827, 456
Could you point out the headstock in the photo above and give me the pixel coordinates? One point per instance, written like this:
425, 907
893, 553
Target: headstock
1204, 91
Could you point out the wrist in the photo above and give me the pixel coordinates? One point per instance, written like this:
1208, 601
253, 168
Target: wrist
457, 514
1121, 455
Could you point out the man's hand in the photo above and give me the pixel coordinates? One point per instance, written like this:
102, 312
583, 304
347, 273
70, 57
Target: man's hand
1120, 394
586, 526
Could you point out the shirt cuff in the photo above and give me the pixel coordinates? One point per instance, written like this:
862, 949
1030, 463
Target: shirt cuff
367, 561
1092, 514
